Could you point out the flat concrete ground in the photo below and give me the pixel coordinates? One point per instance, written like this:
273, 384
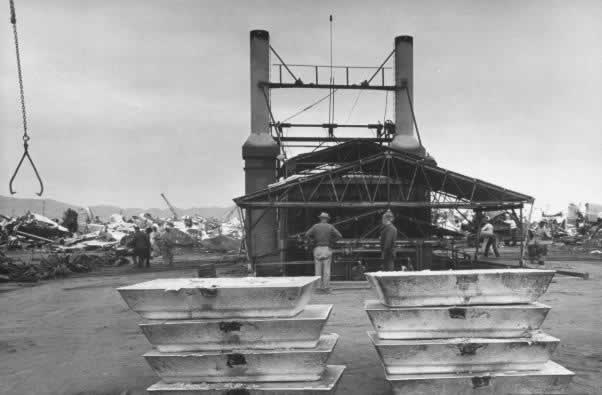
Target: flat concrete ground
77, 336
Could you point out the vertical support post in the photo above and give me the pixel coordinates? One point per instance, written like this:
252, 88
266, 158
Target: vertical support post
260, 152
347, 75
282, 236
478, 234
280, 72
316, 75
382, 74
525, 231
522, 246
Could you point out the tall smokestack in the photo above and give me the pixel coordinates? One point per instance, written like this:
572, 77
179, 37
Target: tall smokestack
260, 152
404, 139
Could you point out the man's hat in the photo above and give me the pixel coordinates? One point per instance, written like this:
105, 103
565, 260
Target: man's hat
388, 215
324, 215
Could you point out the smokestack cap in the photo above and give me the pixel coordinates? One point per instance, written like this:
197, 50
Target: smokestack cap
407, 39
260, 34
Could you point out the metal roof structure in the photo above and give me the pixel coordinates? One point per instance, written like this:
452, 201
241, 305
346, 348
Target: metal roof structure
360, 174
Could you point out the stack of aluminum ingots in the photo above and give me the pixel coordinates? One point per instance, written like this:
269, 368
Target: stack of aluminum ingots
465, 332
250, 335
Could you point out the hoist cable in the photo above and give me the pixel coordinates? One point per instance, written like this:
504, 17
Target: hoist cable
26, 138
308, 107
357, 98
386, 105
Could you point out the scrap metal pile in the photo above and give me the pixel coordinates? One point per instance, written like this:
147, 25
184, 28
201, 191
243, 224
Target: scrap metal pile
96, 244
54, 266
34, 230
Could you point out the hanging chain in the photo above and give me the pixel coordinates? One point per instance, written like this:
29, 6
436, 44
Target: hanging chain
26, 138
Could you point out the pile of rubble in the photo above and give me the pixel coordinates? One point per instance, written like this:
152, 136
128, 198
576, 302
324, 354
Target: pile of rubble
35, 230
54, 265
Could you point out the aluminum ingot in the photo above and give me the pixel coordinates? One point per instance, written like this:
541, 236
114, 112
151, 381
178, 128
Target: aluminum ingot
326, 385
189, 298
550, 379
460, 287
464, 354
301, 331
434, 322
284, 364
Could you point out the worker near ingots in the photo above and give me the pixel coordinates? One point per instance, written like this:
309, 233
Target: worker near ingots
489, 237
537, 247
388, 235
322, 236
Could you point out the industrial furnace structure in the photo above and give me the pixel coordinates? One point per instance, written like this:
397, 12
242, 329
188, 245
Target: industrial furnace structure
354, 179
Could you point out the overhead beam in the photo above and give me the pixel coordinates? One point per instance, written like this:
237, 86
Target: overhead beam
364, 204
278, 85
335, 139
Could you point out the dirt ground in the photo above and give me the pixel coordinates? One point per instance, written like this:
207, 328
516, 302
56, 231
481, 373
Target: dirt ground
77, 336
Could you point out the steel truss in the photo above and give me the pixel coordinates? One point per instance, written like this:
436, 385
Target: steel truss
386, 180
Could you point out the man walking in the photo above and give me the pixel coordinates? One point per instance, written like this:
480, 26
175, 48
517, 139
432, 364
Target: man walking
323, 236
489, 238
388, 235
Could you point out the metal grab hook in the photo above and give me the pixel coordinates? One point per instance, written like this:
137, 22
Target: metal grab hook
26, 138
26, 154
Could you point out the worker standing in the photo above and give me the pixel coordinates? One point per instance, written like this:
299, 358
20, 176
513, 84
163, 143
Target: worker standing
166, 244
388, 235
141, 245
148, 232
155, 239
537, 246
323, 236
512, 225
489, 238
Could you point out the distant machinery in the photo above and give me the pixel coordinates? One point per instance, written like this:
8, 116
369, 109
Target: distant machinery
171, 208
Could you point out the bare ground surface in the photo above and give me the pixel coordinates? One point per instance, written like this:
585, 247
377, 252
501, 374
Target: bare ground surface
77, 336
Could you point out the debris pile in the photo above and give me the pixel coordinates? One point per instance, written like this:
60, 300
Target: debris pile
54, 265
35, 230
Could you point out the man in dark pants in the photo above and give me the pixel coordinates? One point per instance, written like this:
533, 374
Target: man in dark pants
141, 245
147, 257
388, 235
489, 236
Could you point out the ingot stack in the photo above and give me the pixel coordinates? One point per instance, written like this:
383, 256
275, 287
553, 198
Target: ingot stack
247, 335
465, 332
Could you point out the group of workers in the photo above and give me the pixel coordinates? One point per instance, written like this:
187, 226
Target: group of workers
151, 242
323, 236
537, 239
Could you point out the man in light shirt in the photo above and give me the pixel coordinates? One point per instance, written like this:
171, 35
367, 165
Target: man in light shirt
512, 224
323, 236
489, 238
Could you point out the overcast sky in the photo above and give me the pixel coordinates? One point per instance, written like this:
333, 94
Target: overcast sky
128, 99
